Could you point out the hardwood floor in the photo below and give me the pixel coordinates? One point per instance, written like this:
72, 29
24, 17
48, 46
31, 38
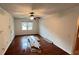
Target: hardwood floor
20, 46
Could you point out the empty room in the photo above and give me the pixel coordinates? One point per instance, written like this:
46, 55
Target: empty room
39, 29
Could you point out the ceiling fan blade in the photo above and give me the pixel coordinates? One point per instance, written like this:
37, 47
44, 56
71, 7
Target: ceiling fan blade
37, 18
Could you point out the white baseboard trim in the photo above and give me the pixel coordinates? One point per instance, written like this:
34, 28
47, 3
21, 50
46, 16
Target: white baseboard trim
61, 48
8, 46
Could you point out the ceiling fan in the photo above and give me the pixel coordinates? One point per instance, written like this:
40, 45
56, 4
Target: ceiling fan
33, 17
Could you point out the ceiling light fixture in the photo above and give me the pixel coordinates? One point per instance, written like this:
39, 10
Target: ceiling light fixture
32, 16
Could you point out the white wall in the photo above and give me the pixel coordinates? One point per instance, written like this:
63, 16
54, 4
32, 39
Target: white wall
18, 27
7, 28
61, 28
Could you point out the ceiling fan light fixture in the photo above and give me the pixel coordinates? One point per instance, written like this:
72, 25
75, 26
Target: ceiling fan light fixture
31, 17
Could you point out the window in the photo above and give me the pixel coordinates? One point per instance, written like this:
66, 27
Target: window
30, 25
24, 25
27, 25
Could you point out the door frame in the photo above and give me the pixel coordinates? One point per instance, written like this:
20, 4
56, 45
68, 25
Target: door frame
75, 44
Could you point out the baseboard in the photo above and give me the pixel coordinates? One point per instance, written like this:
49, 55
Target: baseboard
46, 39
8, 46
61, 48
54, 44
26, 34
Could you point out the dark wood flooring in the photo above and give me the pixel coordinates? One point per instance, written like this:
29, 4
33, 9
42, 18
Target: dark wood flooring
20, 46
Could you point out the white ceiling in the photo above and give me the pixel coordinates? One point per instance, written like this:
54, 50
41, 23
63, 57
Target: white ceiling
23, 10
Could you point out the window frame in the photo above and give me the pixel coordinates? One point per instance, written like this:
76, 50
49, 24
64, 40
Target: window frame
27, 26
